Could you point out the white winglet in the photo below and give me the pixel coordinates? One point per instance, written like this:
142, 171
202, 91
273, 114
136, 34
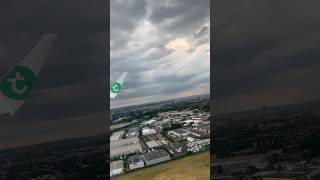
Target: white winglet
116, 86
15, 86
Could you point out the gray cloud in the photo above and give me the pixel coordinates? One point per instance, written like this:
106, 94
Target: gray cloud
175, 16
163, 47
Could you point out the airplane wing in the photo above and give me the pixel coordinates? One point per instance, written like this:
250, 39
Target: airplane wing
116, 86
15, 86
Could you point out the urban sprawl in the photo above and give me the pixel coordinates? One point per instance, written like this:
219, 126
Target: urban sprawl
271, 143
148, 135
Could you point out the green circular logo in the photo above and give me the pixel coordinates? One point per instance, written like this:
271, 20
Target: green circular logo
18, 83
115, 88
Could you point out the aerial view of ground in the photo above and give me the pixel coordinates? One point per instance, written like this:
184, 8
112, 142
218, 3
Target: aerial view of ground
194, 167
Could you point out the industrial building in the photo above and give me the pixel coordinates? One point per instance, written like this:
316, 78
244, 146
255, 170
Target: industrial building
153, 144
148, 131
133, 132
176, 149
125, 150
125, 147
135, 162
195, 133
124, 142
154, 140
179, 133
116, 167
116, 136
155, 157
196, 145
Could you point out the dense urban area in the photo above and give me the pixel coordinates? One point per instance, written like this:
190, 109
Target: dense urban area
270, 143
147, 135
137, 141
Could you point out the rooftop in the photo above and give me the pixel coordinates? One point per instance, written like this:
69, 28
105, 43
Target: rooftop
125, 149
124, 142
155, 155
135, 159
116, 165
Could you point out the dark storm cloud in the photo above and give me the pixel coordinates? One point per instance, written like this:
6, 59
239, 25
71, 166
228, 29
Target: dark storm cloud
256, 43
70, 89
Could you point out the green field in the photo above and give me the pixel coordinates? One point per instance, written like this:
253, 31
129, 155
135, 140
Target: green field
195, 167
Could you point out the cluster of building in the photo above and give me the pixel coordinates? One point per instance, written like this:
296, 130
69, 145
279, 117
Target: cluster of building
274, 165
160, 139
275, 143
138, 161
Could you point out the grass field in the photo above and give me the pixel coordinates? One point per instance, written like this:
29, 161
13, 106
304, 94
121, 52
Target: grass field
195, 167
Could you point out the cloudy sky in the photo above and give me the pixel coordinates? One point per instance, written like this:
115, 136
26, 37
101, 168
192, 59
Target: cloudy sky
265, 52
69, 96
164, 45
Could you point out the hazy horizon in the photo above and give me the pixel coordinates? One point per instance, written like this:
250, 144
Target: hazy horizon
161, 100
